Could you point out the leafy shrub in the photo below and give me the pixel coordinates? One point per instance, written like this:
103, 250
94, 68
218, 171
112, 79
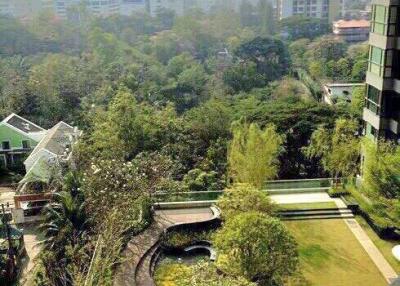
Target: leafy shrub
201, 274
182, 239
243, 198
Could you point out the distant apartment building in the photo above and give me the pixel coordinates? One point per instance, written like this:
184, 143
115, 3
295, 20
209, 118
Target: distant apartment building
22, 8
128, 7
323, 9
96, 7
351, 30
180, 7
382, 109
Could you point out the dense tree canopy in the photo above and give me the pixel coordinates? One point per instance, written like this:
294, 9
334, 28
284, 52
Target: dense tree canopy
173, 103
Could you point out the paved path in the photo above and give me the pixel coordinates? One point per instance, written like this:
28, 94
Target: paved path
135, 269
32, 237
374, 253
301, 198
7, 196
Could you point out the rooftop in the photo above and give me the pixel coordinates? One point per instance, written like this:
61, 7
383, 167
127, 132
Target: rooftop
22, 124
57, 139
348, 24
344, 84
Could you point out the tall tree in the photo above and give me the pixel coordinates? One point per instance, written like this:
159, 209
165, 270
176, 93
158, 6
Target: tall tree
270, 55
339, 149
381, 169
266, 16
253, 153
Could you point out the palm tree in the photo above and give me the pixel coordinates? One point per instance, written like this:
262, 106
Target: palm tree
65, 222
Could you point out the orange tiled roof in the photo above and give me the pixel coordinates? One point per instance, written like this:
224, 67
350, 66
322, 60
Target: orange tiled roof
342, 24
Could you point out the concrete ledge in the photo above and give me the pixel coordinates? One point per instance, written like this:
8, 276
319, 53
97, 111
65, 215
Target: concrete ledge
183, 205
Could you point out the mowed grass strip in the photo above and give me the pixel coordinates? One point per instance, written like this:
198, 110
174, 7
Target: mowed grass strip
307, 206
330, 255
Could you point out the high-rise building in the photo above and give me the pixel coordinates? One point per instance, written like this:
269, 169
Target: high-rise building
131, 6
324, 9
96, 7
22, 8
180, 7
382, 109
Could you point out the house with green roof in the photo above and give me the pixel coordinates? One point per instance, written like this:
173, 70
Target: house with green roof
18, 137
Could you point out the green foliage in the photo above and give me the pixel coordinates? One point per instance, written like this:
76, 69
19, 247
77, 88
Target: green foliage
253, 153
243, 77
257, 247
300, 27
327, 58
357, 101
198, 180
243, 198
289, 87
201, 274
381, 170
65, 228
182, 239
339, 150
270, 56
156, 99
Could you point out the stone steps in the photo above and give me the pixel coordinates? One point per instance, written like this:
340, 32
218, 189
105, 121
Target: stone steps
316, 214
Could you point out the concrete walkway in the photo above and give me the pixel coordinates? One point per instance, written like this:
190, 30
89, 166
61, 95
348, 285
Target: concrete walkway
7, 196
373, 252
134, 270
32, 237
301, 198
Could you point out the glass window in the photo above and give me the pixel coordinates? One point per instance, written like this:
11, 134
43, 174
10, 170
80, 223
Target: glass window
26, 144
373, 94
373, 107
380, 14
380, 61
376, 55
5, 145
393, 14
384, 20
370, 131
379, 20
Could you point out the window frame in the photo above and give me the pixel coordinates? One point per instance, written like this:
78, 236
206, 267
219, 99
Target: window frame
9, 145
28, 144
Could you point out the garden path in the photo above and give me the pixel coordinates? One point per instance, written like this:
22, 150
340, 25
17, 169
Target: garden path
134, 270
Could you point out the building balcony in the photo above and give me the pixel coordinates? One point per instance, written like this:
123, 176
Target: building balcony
373, 119
381, 123
379, 82
383, 42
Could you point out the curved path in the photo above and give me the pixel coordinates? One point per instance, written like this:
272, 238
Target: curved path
135, 268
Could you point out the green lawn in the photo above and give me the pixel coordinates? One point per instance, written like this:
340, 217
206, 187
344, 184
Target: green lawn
308, 206
385, 246
330, 255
